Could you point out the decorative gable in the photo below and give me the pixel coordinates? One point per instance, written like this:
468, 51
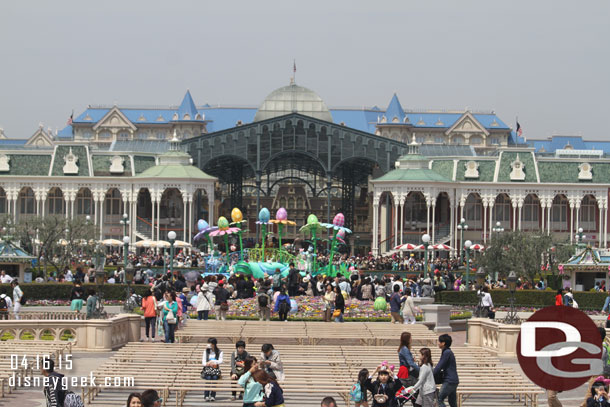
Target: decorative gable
585, 173
467, 124
114, 119
4, 163
116, 165
472, 170
70, 163
40, 139
518, 172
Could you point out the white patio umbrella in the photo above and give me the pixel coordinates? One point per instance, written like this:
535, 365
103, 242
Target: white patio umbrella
478, 247
145, 243
181, 244
406, 247
161, 244
112, 242
62, 242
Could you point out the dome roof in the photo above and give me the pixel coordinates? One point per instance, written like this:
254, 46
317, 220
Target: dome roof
293, 99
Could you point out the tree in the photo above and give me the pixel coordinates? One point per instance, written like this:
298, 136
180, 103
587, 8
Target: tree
57, 239
519, 251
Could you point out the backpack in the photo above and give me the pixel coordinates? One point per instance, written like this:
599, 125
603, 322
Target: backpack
3, 304
263, 301
355, 393
277, 280
72, 399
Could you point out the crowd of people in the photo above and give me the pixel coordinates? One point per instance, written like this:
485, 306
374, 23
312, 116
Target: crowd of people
261, 379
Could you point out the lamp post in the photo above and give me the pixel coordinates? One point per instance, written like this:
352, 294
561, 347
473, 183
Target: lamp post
467, 245
497, 230
425, 238
462, 227
129, 272
172, 239
100, 278
480, 276
580, 237
511, 317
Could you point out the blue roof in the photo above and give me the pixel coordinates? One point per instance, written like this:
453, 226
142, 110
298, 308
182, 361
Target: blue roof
363, 120
16, 141
576, 142
394, 110
222, 118
65, 133
187, 107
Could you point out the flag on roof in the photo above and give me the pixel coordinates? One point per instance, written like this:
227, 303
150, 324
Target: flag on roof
69, 122
294, 66
519, 130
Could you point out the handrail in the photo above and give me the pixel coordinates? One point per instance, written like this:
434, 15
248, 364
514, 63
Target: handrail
145, 221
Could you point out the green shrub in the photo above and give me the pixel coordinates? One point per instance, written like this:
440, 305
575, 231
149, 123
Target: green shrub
523, 298
61, 291
7, 336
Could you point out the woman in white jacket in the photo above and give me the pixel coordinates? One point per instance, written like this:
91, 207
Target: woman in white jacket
425, 383
205, 302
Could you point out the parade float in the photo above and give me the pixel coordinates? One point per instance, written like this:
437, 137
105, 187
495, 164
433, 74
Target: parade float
263, 260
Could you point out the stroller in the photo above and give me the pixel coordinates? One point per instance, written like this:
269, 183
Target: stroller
405, 394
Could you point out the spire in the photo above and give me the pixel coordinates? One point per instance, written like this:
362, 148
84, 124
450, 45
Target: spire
187, 109
174, 143
394, 110
413, 146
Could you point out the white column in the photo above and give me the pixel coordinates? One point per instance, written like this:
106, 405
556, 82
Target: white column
432, 241
152, 219
485, 206
543, 217
158, 227
374, 247
72, 207
15, 209
605, 224
600, 228
548, 216
134, 222
402, 218
103, 195
520, 209
396, 221
577, 216
190, 202
427, 216
184, 207
571, 223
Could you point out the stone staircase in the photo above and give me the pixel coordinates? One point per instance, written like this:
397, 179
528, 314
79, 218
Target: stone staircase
143, 228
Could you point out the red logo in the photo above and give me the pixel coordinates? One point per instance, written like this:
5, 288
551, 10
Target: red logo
559, 348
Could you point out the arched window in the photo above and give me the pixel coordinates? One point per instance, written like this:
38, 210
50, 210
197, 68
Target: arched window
55, 201
291, 203
559, 212
476, 140
457, 139
587, 212
300, 203
124, 136
415, 208
531, 207
473, 209
2, 201
26, 199
113, 202
84, 202
502, 209
282, 202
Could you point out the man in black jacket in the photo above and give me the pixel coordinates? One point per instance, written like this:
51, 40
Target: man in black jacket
293, 281
447, 367
53, 391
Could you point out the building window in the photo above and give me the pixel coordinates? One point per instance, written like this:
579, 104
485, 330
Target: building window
56, 201
420, 139
476, 140
415, 208
587, 212
559, 210
124, 136
113, 202
473, 208
87, 135
439, 139
161, 135
2, 201
26, 198
291, 203
495, 141
84, 202
300, 203
105, 135
142, 135
457, 140
530, 209
502, 209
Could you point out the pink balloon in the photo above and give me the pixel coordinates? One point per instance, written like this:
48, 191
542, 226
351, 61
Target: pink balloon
281, 214
339, 220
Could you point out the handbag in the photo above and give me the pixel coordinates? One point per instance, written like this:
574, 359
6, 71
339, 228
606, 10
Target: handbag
380, 398
170, 318
210, 371
439, 377
224, 306
337, 313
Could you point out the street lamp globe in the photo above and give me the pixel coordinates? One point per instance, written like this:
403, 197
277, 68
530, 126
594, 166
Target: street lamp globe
87, 218
171, 235
425, 238
124, 216
580, 230
462, 220
498, 224
126, 239
467, 244
459, 227
465, 227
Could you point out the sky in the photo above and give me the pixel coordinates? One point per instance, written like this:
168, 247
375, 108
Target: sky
545, 62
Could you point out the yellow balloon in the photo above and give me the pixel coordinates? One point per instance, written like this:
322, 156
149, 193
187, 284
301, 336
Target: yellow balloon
236, 215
